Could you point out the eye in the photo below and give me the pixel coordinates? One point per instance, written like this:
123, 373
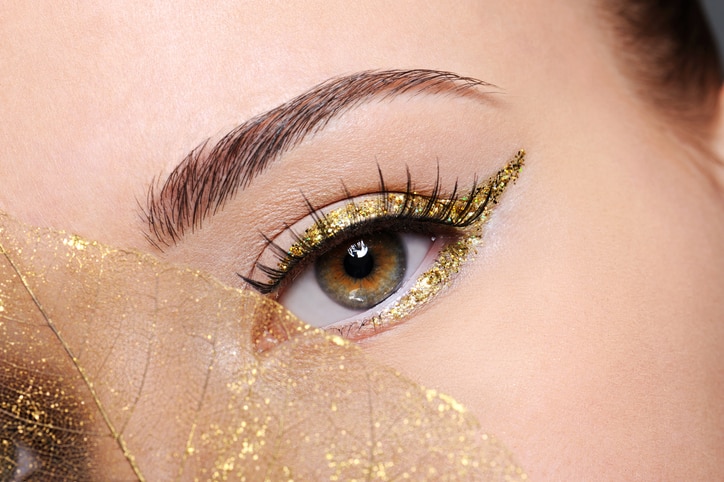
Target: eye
364, 264
358, 276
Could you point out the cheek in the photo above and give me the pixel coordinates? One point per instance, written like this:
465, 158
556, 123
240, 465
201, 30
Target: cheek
579, 330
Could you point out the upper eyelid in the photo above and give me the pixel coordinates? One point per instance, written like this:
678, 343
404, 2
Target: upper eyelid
491, 187
374, 225
365, 226
312, 210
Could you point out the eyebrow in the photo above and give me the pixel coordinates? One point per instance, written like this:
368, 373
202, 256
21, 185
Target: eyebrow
210, 175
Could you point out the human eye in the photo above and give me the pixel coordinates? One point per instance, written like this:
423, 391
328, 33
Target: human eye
364, 264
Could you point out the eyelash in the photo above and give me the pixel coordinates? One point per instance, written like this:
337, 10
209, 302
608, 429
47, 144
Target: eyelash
454, 212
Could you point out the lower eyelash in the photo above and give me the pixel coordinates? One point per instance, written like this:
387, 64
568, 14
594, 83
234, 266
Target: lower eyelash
405, 210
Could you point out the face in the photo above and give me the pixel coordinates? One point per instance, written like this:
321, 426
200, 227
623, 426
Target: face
584, 325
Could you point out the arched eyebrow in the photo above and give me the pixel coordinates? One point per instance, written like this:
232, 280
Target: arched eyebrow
210, 175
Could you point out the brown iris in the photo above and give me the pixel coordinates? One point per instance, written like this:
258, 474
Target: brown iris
362, 273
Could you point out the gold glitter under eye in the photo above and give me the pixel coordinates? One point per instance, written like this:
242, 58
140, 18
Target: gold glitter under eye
393, 210
448, 263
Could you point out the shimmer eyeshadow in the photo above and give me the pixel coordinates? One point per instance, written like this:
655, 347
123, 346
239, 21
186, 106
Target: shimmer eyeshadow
466, 214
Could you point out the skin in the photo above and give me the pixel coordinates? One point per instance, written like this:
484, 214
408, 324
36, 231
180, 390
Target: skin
587, 332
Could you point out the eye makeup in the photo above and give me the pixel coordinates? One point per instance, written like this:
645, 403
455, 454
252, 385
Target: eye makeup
455, 221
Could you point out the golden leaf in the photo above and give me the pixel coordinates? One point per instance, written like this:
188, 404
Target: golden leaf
115, 365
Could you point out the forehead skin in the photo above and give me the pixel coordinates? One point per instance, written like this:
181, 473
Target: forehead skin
586, 335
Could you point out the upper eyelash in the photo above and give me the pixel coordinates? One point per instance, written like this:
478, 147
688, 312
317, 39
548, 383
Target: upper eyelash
452, 210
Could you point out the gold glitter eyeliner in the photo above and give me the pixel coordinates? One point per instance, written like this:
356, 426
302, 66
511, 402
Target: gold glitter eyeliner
397, 211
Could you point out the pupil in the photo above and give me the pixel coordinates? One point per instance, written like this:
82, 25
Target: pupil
360, 274
359, 262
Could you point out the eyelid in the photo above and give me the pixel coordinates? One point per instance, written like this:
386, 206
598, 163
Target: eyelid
385, 206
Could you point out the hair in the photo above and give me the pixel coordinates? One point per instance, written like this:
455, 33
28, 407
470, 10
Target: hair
669, 54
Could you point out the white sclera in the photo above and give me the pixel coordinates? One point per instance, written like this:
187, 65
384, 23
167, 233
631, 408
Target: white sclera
308, 302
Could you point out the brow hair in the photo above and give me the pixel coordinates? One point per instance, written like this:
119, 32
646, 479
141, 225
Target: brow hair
210, 175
